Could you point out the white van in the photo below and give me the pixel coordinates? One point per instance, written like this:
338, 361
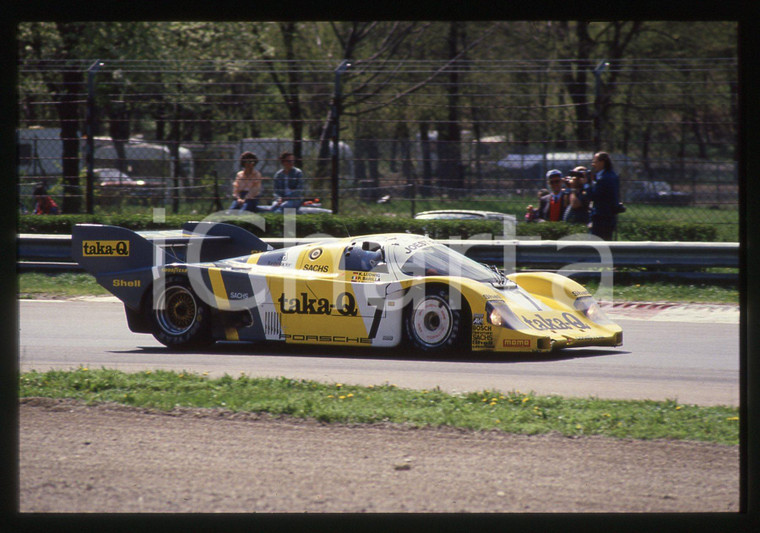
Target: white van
40, 152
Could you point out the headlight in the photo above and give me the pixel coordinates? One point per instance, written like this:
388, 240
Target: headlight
494, 318
500, 315
591, 309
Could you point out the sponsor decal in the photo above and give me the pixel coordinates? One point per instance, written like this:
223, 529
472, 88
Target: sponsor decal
174, 270
105, 248
478, 319
568, 321
317, 268
516, 343
326, 338
580, 294
315, 253
364, 277
416, 246
482, 336
238, 295
345, 305
126, 283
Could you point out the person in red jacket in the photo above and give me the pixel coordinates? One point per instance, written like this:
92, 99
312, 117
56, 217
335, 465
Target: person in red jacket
43, 203
553, 205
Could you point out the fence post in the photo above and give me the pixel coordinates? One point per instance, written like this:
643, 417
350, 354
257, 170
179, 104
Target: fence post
414, 197
91, 133
335, 114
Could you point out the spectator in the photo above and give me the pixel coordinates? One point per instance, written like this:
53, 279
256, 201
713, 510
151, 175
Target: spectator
554, 204
43, 203
578, 210
288, 183
531, 215
605, 197
247, 185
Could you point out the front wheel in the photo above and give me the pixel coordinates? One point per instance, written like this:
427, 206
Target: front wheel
178, 318
432, 324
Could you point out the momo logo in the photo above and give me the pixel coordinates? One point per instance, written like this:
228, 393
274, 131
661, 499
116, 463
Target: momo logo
105, 248
345, 305
516, 343
541, 324
315, 253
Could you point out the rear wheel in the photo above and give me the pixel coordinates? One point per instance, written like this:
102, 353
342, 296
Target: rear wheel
178, 318
432, 324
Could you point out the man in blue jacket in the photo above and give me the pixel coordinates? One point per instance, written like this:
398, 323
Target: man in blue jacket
605, 197
288, 183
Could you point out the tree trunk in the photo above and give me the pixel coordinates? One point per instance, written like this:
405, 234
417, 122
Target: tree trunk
69, 116
450, 170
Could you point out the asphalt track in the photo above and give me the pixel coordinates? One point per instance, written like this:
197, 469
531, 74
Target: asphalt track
684, 353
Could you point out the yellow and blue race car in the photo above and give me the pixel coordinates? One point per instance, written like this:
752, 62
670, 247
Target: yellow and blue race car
216, 281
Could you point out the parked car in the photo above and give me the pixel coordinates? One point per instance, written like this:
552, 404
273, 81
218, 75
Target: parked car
655, 192
472, 214
115, 185
113, 177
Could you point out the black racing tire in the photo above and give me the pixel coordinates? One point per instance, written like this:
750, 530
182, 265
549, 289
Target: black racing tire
430, 322
179, 318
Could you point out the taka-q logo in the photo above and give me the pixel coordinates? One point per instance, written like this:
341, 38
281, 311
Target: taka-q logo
105, 248
541, 323
345, 304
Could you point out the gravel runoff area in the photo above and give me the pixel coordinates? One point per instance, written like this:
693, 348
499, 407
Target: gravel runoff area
111, 459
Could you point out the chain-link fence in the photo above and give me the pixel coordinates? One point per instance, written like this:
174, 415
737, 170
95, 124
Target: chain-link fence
414, 135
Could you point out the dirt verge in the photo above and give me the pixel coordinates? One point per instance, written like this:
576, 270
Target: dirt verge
111, 458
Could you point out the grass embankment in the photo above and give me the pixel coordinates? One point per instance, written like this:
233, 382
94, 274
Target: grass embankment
514, 412
33, 285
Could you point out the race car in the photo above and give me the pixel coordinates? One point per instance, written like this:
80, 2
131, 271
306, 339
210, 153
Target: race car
213, 282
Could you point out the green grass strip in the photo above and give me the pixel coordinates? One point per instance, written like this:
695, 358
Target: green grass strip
513, 412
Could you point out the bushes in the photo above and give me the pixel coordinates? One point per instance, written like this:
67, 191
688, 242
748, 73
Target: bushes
667, 231
342, 226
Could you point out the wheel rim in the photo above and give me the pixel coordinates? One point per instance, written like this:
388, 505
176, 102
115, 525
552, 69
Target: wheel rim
432, 321
177, 310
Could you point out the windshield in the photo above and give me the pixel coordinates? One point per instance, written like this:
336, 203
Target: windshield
440, 260
447, 216
662, 186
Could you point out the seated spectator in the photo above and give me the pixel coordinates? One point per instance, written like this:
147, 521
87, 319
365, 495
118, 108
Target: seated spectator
247, 185
288, 184
43, 203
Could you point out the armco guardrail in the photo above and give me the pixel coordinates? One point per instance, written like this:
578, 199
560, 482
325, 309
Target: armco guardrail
683, 260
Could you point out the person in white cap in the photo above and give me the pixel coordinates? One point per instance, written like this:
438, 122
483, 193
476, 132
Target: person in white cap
553, 205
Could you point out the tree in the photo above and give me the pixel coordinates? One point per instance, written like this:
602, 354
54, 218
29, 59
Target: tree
58, 41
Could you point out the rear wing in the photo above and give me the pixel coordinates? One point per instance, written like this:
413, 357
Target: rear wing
123, 260
216, 240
